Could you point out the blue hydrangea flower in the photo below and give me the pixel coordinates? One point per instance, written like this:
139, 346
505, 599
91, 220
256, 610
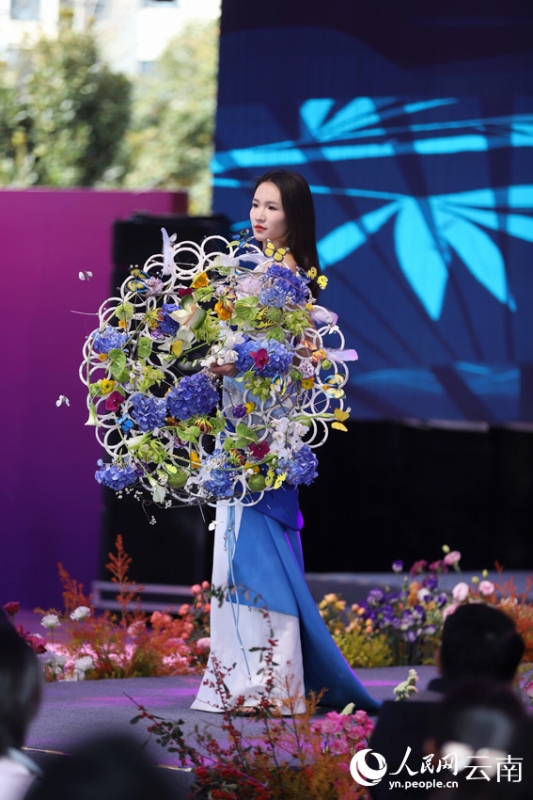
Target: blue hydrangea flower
219, 483
110, 339
301, 468
149, 412
282, 286
114, 476
167, 325
279, 357
195, 395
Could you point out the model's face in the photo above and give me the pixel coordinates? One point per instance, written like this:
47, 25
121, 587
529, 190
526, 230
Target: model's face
267, 215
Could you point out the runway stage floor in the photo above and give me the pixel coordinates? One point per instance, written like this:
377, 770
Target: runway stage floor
72, 712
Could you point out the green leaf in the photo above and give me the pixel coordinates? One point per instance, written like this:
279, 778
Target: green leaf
275, 333
124, 311
144, 348
95, 389
274, 314
118, 363
204, 293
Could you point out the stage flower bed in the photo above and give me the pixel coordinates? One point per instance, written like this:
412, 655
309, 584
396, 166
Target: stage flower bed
83, 643
403, 625
392, 627
172, 437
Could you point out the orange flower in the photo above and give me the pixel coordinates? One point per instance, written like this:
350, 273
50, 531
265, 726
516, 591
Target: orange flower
223, 310
195, 459
200, 281
308, 383
122, 323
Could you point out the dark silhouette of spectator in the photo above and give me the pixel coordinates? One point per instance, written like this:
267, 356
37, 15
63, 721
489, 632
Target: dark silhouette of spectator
479, 643
111, 767
483, 732
20, 695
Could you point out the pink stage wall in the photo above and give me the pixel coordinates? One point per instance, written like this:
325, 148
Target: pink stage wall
51, 503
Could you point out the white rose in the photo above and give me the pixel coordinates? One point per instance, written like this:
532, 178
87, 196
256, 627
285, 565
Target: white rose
80, 613
83, 664
50, 621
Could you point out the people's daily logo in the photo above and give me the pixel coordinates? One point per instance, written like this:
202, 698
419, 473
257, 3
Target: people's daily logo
362, 773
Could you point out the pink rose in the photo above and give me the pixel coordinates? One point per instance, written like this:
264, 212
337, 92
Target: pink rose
12, 608
204, 642
196, 589
452, 558
461, 591
486, 588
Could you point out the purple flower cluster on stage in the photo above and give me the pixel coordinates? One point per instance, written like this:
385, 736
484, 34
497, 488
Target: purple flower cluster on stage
115, 476
276, 361
110, 339
194, 395
282, 287
149, 412
301, 468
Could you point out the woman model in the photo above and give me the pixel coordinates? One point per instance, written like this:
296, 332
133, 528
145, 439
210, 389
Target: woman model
258, 547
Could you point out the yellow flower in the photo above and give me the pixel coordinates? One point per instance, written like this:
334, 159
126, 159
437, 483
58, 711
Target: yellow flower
322, 281
177, 347
330, 598
223, 310
195, 459
249, 407
318, 355
122, 323
255, 469
309, 306
107, 386
312, 273
308, 383
200, 281
340, 605
102, 356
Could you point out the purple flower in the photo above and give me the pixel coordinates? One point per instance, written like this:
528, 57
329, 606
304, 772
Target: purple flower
167, 325
410, 636
110, 339
397, 566
429, 630
281, 286
442, 599
301, 468
114, 476
239, 411
195, 395
149, 412
375, 597
431, 582
279, 357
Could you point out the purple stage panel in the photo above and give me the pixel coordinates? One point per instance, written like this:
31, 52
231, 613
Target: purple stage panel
50, 500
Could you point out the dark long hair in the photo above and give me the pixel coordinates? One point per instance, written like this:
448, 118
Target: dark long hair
299, 209
20, 688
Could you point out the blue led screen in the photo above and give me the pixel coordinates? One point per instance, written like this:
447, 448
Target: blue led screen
423, 185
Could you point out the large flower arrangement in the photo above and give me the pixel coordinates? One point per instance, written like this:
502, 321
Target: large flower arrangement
174, 434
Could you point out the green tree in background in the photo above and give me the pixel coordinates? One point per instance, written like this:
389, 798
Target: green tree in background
63, 114
170, 141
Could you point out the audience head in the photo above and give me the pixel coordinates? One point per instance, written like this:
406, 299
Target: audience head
20, 688
479, 641
113, 767
478, 726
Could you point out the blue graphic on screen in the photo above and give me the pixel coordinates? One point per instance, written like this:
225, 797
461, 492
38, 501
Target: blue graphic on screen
425, 226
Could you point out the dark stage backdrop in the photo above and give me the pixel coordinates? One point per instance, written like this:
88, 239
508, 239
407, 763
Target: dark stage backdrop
413, 123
